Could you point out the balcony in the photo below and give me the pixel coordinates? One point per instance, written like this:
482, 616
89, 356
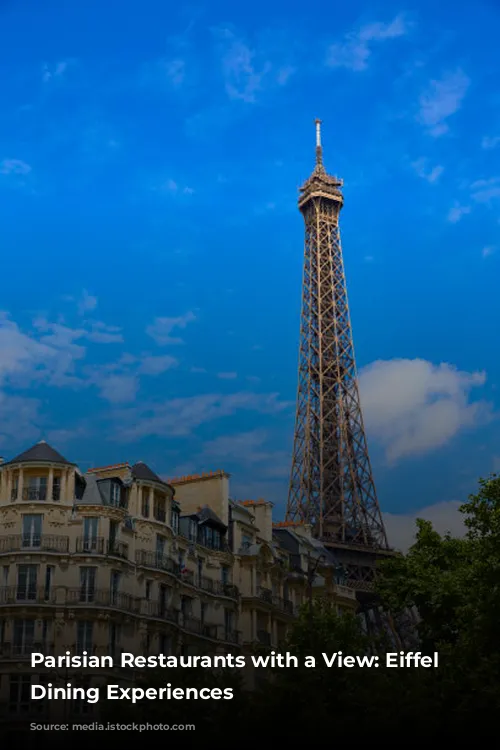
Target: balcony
25, 648
265, 595
33, 543
218, 588
157, 560
193, 625
187, 576
25, 595
285, 605
117, 549
90, 546
160, 611
88, 596
231, 636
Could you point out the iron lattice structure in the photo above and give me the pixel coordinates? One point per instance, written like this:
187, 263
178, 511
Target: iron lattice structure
331, 484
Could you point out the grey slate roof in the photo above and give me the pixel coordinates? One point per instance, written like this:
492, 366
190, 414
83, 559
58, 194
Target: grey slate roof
140, 470
91, 494
40, 452
207, 514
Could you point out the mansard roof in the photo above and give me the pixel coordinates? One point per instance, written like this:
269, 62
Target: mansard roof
140, 470
41, 452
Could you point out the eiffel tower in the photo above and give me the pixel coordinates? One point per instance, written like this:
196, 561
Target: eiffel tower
331, 483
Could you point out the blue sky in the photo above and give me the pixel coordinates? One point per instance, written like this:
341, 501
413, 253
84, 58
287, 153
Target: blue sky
152, 247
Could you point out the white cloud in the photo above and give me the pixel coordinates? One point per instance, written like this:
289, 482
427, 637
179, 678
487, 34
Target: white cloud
445, 517
14, 167
51, 72
431, 174
354, 51
248, 71
161, 328
87, 303
489, 142
487, 251
118, 389
227, 375
442, 99
456, 212
484, 191
414, 406
151, 365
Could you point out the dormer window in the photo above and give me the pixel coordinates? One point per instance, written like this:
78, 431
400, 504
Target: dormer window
115, 494
193, 531
174, 520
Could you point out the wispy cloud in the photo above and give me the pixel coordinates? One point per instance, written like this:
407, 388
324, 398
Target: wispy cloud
87, 303
487, 251
161, 329
457, 212
431, 174
227, 375
248, 71
173, 188
489, 142
354, 51
484, 191
14, 167
55, 71
442, 98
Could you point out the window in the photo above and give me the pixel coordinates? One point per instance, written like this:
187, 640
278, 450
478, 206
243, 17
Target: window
147, 594
24, 635
32, 530
163, 600
90, 529
203, 609
49, 572
224, 575
115, 494
5, 575
246, 541
174, 522
56, 489
193, 530
19, 693
84, 633
228, 621
145, 504
37, 489
160, 547
26, 582
87, 584
216, 540
165, 644
200, 568
114, 586
186, 606
114, 639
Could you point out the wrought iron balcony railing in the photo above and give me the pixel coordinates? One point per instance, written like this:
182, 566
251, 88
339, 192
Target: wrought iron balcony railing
218, 587
25, 594
93, 597
157, 560
117, 549
90, 545
34, 542
25, 647
160, 611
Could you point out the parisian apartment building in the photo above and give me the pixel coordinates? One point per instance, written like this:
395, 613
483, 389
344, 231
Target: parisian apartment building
119, 559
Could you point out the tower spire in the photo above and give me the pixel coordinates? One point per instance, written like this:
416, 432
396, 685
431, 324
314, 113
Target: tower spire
331, 482
319, 147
